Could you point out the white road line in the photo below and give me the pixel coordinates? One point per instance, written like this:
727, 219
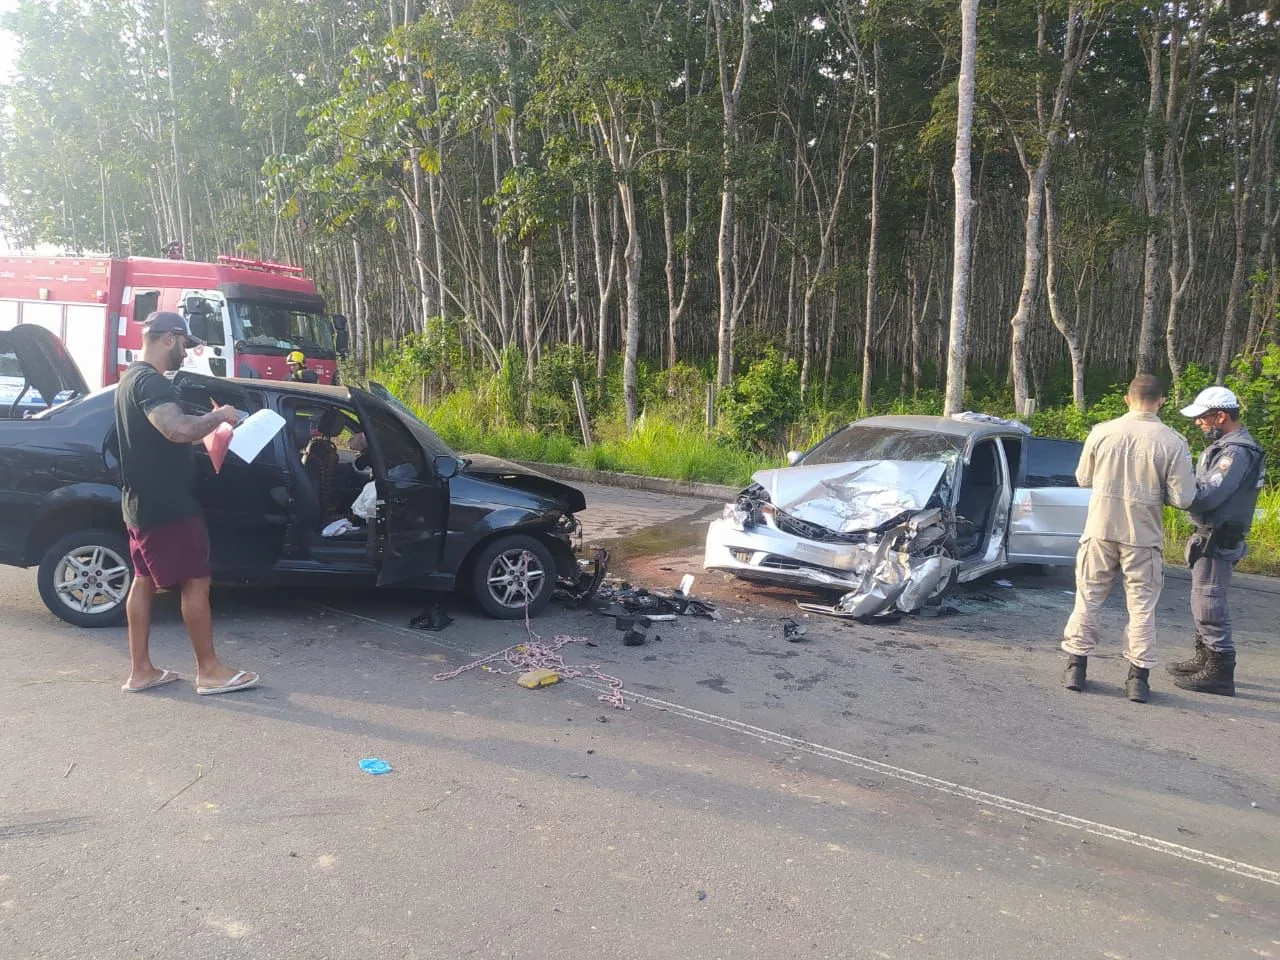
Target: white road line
1204, 858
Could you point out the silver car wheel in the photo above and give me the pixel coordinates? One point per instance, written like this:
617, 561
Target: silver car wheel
516, 578
92, 579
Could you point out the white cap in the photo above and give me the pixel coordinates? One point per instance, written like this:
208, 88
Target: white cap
1211, 398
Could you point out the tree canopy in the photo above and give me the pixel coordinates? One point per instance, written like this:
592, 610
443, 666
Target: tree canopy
696, 181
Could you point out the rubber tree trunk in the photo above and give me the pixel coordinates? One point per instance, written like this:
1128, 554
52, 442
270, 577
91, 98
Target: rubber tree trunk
606, 275
1151, 252
730, 97
961, 175
873, 242
631, 256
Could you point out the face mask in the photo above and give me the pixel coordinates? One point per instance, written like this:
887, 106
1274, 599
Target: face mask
1213, 434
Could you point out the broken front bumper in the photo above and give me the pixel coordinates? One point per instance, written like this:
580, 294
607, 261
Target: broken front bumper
905, 567
764, 553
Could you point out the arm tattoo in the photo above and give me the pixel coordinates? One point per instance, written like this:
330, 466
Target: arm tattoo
179, 427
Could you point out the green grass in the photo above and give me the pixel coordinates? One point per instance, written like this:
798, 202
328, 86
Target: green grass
656, 447
667, 444
1263, 555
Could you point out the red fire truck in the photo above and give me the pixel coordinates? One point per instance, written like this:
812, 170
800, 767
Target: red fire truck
251, 313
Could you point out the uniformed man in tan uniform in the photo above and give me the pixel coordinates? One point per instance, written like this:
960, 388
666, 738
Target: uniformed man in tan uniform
1135, 465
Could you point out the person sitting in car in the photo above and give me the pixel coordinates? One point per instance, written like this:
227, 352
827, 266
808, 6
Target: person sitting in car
320, 458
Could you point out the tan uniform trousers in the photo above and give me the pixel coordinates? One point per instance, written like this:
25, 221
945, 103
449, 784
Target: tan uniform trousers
1098, 562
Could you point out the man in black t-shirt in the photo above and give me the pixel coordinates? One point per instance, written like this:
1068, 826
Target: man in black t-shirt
168, 541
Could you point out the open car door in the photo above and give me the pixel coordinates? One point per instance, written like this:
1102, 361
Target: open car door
413, 498
1049, 508
246, 504
36, 372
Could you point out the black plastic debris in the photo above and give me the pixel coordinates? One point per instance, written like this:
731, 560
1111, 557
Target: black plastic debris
793, 632
637, 629
434, 618
622, 599
635, 636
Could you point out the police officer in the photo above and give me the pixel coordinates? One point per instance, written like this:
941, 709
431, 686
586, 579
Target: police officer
1228, 477
298, 371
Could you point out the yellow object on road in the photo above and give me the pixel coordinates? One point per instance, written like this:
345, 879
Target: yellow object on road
542, 677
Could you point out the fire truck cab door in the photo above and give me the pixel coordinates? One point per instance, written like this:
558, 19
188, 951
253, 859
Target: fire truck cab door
212, 324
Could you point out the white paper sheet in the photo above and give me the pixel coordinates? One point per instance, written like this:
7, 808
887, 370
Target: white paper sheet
254, 433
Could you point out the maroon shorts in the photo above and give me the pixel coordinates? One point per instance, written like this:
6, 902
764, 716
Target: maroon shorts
172, 554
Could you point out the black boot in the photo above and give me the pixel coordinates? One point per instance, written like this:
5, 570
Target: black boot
1218, 675
1136, 685
1185, 668
1073, 679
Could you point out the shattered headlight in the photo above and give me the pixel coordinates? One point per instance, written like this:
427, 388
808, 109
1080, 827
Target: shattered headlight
738, 515
569, 528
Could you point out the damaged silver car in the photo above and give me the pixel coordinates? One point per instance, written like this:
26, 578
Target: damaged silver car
893, 512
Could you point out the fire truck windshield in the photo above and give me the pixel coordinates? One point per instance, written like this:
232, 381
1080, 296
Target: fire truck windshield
281, 328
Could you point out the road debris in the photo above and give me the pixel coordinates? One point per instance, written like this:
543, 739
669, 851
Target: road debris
793, 632
542, 677
619, 598
435, 618
375, 766
199, 776
535, 654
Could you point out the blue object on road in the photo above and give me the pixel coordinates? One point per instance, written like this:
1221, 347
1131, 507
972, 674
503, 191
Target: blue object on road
375, 766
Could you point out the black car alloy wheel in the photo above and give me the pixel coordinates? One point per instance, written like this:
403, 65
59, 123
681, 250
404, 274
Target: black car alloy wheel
85, 577
514, 575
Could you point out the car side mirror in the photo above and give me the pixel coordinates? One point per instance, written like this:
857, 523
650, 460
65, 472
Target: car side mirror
794, 457
447, 467
341, 335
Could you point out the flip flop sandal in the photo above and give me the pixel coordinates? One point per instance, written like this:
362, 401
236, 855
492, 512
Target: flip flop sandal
167, 676
231, 686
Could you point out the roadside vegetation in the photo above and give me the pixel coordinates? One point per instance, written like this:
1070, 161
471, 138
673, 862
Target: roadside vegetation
758, 417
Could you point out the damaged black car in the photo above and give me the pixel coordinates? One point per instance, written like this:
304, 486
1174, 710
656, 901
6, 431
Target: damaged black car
433, 519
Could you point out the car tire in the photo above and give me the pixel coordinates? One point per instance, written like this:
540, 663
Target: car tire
513, 576
85, 577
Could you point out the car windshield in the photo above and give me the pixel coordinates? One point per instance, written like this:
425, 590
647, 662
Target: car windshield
281, 328
424, 434
860, 443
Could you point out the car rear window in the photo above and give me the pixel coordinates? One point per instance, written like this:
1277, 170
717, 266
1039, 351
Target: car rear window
1052, 463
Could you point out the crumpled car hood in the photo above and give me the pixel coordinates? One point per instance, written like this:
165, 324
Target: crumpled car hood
847, 497
519, 477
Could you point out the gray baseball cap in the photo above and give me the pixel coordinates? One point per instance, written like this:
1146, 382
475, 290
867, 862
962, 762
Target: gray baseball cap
166, 321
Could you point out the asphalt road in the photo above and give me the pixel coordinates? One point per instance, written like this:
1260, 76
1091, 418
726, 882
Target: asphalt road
923, 789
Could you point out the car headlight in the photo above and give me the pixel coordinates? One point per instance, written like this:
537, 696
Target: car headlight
737, 515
